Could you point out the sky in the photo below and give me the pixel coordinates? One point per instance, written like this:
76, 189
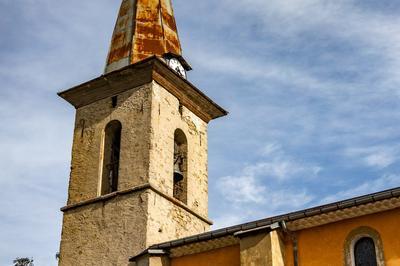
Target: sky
312, 88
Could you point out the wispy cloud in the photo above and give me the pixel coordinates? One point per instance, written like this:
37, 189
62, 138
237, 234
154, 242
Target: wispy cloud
374, 156
325, 71
243, 189
369, 186
316, 80
42, 55
250, 184
266, 185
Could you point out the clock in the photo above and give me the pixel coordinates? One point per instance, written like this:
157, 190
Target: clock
177, 66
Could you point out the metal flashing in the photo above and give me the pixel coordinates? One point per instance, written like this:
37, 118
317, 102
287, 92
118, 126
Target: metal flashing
143, 28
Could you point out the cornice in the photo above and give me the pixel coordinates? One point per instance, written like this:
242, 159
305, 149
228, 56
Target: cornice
139, 74
140, 188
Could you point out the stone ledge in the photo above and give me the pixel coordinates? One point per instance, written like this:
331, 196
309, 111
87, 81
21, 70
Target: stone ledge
180, 204
133, 190
105, 197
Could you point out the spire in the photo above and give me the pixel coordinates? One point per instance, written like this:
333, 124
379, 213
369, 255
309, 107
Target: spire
144, 28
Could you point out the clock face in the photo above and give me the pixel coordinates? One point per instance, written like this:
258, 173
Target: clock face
177, 67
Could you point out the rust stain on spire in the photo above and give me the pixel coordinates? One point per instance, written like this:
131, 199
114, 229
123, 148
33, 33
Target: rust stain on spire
144, 28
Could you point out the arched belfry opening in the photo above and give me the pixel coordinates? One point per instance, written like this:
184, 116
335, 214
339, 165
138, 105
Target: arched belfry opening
111, 154
180, 166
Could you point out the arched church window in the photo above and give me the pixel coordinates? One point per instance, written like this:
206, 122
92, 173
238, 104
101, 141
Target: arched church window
363, 247
111, 153
180, 166
364, 252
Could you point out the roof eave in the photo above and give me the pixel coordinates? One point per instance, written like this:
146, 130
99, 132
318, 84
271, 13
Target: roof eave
311, 213
141, 73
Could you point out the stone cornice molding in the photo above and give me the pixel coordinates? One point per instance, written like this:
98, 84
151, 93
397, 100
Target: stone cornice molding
136, 189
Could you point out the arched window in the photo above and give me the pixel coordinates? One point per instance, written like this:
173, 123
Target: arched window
111, 153
180, 166
364, 252
363, 247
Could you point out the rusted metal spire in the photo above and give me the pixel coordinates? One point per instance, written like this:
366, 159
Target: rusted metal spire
144, 28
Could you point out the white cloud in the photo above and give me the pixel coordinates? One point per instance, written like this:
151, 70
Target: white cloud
281, 169
276, 164
374, 156
274, 202
247, 205
227, 220
270, 149
251, 184
64, 43
49, 47
368, 34
380, 160
217, 61
243, 189
370, 186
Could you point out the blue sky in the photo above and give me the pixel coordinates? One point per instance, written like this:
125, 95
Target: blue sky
312, 87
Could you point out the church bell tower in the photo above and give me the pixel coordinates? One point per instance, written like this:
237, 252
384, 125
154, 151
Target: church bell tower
139, 156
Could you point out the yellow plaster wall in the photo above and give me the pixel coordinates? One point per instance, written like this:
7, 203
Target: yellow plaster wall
256, 250
324, 245
228, 256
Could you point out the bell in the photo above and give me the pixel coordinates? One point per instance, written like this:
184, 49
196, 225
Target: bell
178, 176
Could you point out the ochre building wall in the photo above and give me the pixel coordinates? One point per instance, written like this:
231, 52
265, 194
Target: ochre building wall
256, 250
324, 245
228, 256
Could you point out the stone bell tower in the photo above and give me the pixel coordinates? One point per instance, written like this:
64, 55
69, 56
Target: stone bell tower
139, 155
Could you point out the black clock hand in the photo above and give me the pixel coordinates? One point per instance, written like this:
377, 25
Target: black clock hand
178, 70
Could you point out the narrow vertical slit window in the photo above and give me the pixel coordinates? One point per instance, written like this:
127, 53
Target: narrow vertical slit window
114, 101
180, 166
112, 146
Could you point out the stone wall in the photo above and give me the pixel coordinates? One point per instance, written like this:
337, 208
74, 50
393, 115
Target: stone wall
105, 233
133, 111
149, 116
166, 118
167, 221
